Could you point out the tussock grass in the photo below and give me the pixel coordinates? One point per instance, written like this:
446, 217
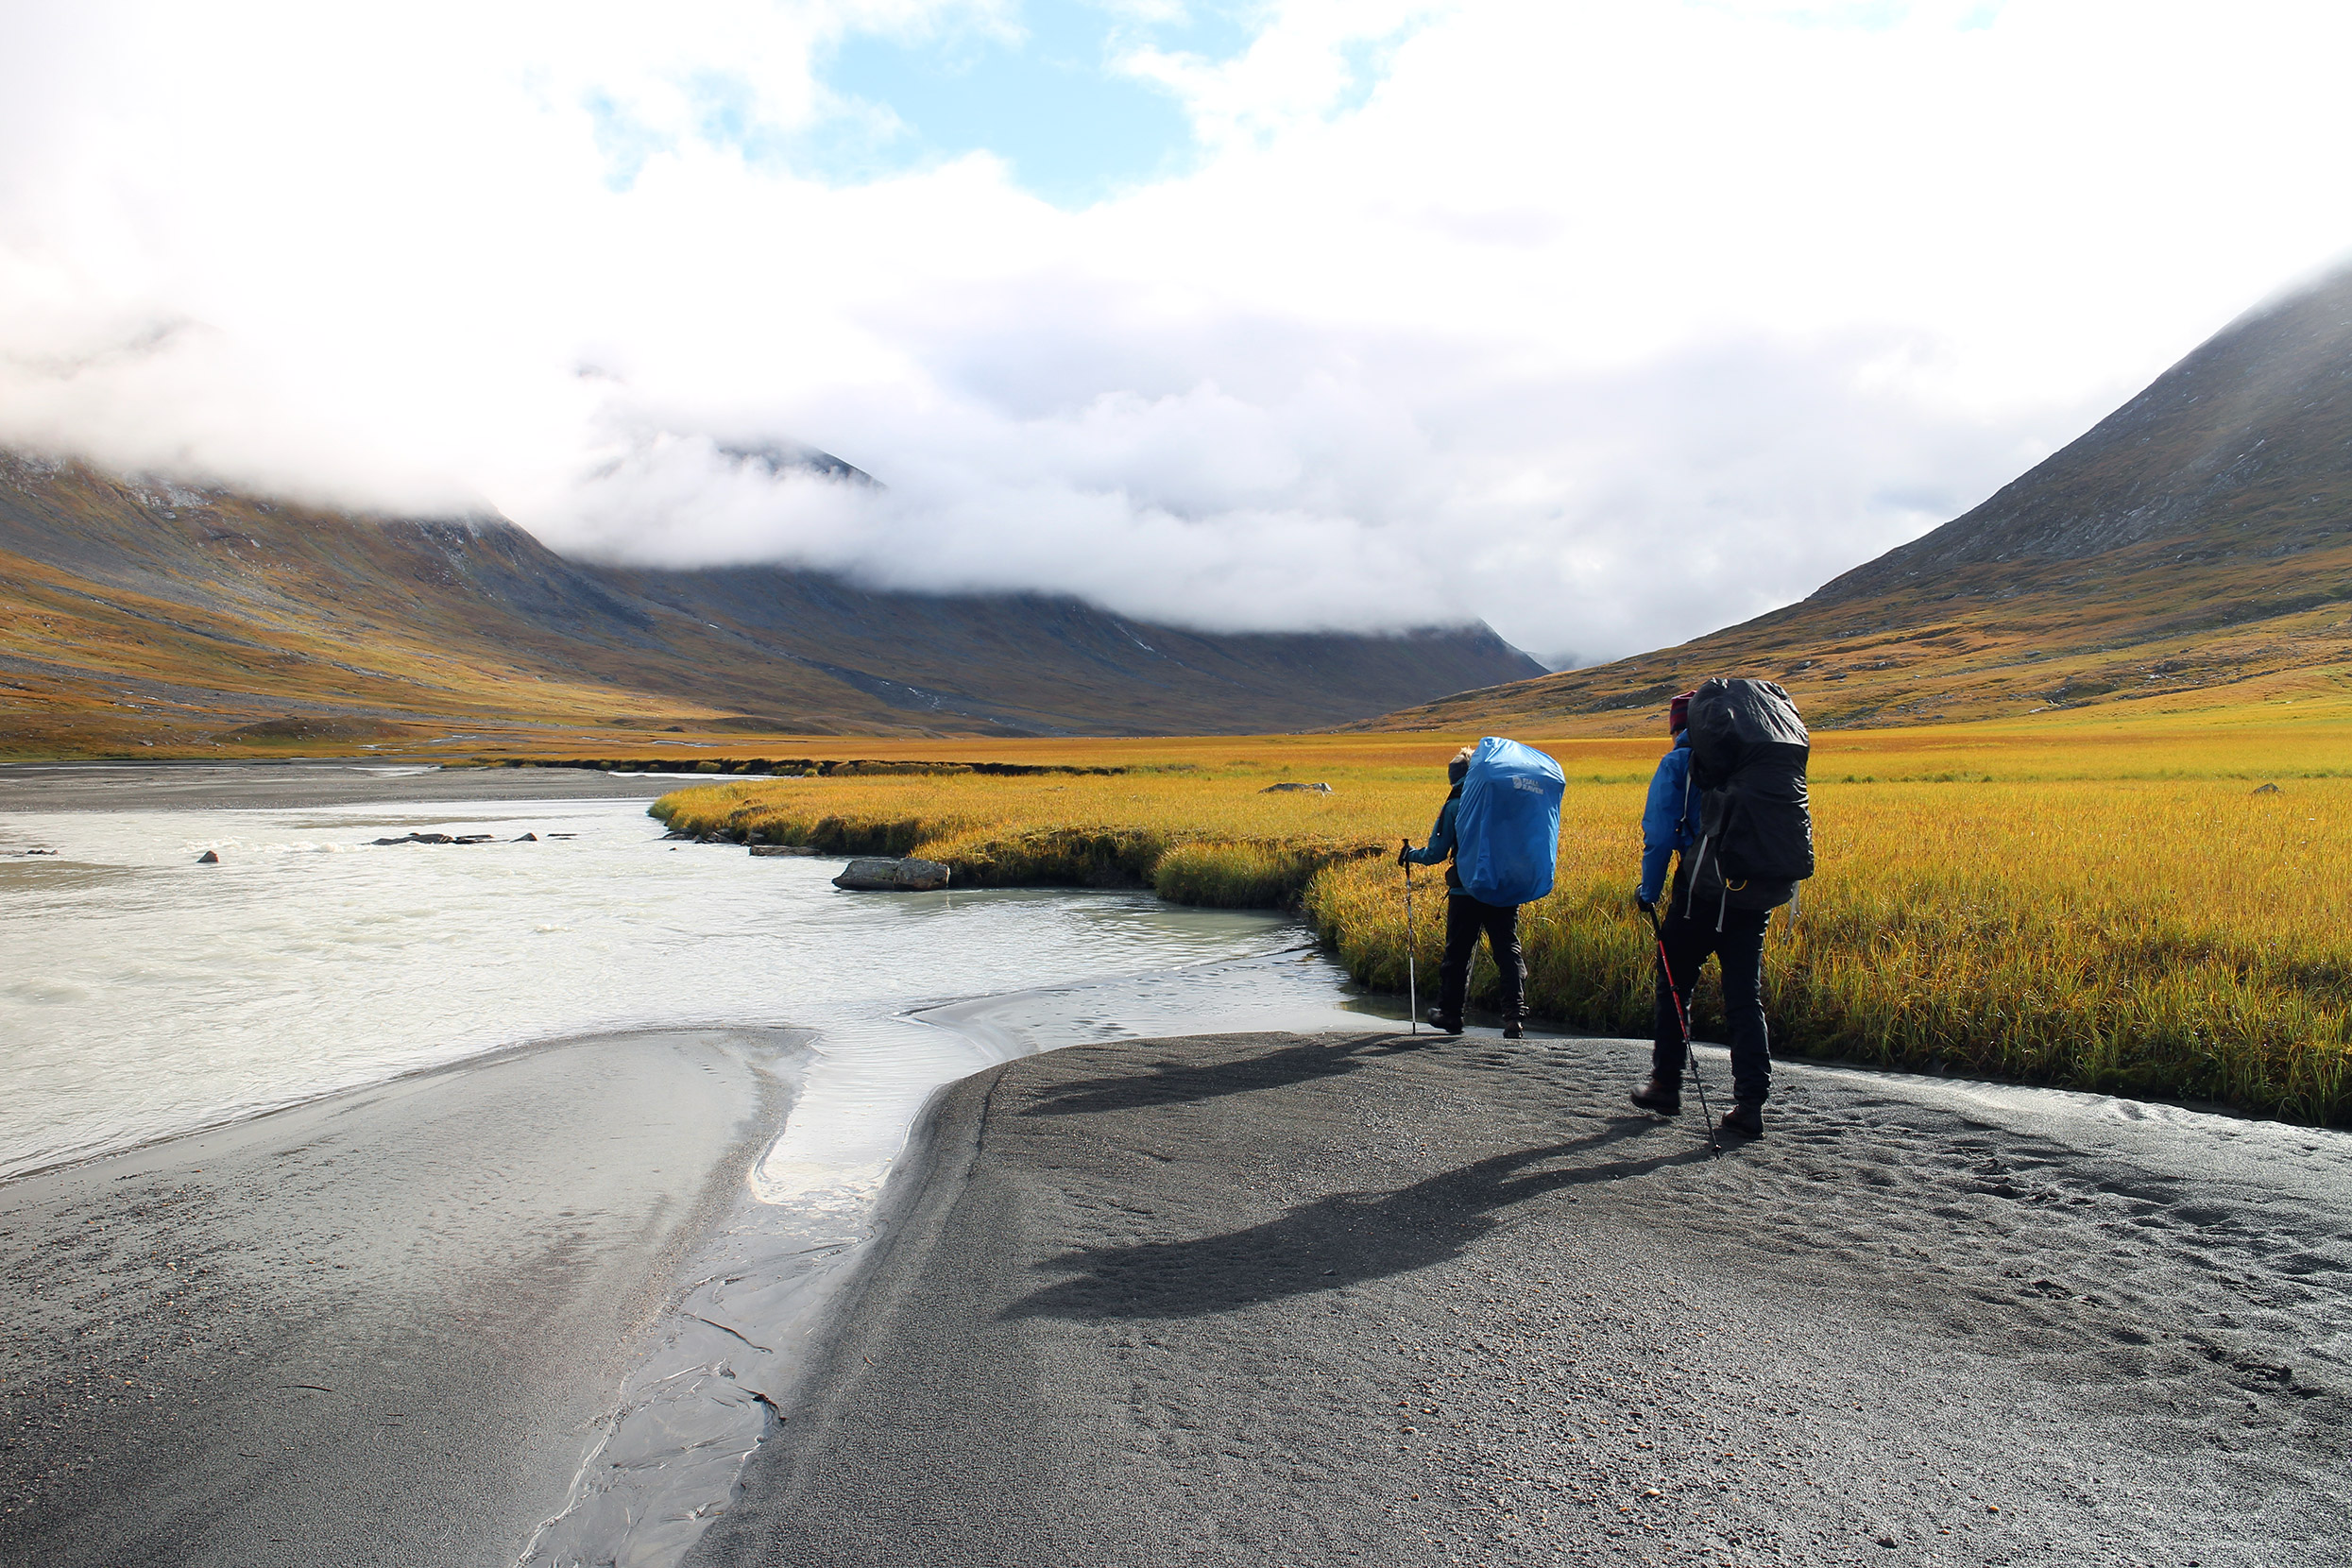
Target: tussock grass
1196, 835
2169, 940
2146, 934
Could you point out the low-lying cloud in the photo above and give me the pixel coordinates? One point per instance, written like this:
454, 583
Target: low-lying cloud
1608, 325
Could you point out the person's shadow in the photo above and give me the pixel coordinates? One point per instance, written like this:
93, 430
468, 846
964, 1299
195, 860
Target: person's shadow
1342, 1239
1172, 1081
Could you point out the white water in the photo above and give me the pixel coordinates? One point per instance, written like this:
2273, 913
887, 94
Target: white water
145, 994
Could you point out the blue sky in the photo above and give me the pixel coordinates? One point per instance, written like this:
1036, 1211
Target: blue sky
1046, 96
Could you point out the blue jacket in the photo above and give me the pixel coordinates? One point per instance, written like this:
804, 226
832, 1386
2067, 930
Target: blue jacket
1440, 845
1670, 821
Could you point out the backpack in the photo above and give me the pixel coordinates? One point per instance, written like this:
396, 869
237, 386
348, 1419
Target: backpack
1506, 824
1748, 751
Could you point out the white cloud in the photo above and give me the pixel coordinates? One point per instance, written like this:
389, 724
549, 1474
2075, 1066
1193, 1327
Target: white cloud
1608, 323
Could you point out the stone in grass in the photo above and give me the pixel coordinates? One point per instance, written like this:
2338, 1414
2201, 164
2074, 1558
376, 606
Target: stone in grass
1285, 789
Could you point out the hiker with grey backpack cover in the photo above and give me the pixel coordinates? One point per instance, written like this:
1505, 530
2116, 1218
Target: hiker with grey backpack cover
1729, 805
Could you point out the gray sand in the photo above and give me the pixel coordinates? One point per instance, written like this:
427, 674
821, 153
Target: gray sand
379, 1328
1325, 1299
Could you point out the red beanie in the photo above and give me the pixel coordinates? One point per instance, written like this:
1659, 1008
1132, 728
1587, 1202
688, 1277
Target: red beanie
1679, 712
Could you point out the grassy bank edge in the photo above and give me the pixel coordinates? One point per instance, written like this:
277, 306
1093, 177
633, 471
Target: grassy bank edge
1587, 959
1215, 873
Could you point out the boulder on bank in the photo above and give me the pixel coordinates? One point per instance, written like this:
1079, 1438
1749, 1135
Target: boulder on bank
916, 876
868, 876
1285, 789
875, 875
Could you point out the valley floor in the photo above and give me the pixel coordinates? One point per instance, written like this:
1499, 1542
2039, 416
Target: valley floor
1370, 1297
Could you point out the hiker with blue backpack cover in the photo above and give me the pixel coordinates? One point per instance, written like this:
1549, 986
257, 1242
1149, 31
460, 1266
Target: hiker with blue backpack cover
1728, 805
1499, 834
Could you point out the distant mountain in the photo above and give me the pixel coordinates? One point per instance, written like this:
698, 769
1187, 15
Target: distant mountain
2194, 546
136, 612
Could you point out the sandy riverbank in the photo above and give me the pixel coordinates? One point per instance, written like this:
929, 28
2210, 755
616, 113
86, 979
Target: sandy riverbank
382, 1327
1334, 1299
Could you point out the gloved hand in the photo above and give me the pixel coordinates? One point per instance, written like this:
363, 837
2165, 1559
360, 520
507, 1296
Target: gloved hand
1645, 900
1407, 849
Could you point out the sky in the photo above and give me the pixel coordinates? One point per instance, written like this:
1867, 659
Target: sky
1607, 323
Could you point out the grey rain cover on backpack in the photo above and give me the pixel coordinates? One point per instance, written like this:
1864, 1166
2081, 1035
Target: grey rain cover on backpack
1748, 751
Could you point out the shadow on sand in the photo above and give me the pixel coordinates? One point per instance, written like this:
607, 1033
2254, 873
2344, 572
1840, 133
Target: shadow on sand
1172, 1082
1339, 1240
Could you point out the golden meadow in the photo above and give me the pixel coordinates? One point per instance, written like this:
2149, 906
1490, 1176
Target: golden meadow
2106, 906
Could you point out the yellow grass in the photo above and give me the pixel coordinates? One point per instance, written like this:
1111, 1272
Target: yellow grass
2107, 908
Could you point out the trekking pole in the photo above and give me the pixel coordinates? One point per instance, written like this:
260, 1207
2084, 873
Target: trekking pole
1412, 981
1682, 1016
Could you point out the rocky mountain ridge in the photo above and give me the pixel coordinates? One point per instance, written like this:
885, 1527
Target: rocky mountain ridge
2193, 547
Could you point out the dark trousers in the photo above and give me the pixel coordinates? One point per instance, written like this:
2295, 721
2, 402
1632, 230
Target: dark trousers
1465, 917
1739, 948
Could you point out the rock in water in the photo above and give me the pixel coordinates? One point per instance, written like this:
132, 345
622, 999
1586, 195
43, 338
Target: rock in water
207, 858
880, 876
472, 837
528, 837
867, 875
1285, 789
782, 849
916, 876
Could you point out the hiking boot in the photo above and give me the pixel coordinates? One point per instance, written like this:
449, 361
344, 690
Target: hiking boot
1745, 1118
1511, 1030
1660, 1095
1445, 1025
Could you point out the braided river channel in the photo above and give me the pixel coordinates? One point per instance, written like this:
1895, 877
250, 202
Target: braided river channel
147, 997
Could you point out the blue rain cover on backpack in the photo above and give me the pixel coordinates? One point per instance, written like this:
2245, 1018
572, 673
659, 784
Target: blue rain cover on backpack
1507, 828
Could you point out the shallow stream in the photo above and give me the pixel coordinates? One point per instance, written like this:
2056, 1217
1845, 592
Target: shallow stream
147, 996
